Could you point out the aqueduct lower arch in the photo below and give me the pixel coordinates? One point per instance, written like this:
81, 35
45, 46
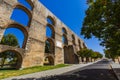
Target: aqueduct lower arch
33, 51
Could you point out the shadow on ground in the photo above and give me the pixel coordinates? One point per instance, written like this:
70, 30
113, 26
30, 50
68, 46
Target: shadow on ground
87, 74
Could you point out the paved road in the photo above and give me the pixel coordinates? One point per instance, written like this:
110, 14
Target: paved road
98, 71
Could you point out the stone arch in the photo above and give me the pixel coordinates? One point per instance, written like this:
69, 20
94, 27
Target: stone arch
79, 43
65, 40
29, 2
73, 39
76, 59
64, 37
66, 54
64, 31
49, 60
84, 46
21, 28
52, 29
27, 11
49, 46
50, 20
19, 60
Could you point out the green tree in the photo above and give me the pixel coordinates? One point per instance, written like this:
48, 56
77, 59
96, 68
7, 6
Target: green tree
102, 21
47, 47
100, 55
96, 55
109, 54
10, 40
85, 53
89, 53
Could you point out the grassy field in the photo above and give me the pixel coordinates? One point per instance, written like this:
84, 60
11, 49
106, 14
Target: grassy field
11, 73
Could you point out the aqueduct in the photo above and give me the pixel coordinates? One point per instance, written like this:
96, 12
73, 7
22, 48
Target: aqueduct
38, 48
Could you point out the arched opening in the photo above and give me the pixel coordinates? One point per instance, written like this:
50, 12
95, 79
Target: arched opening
18, 13
84, 46
64, 40
65, 46
27, 3
19, 18
10, 60
64, 31
19, 32
50, 33
79, 42
49, 60
73, 39
49, 46
66, 55
76, 59
50, 20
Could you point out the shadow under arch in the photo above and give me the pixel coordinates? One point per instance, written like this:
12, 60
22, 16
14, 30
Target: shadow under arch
73, 39
19, 60
76, 59
50, 45
79, 43
64, 39
84, 46
70, 57
21, 28
49, 60
27, 11
51, 20
66, 56
64, 31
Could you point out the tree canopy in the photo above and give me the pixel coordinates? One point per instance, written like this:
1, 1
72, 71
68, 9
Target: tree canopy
10, 40
102, 21
8, 57
47, 47
86, 53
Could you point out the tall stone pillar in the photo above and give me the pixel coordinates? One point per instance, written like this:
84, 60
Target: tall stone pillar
6, 8
36, 40
59, 53
35, 45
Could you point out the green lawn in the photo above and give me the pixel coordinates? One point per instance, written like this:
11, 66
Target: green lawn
11, 73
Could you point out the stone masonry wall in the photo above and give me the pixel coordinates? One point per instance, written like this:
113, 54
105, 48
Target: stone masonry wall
36, 37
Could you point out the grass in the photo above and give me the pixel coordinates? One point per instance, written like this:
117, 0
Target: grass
11, 73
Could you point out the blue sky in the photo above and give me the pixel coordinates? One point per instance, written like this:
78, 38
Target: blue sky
70, 12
